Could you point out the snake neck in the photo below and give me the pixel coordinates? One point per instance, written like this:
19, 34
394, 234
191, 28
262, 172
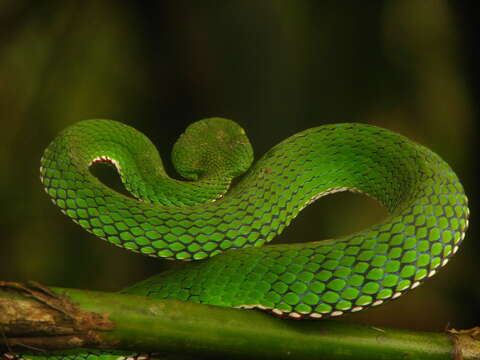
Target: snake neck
136, 160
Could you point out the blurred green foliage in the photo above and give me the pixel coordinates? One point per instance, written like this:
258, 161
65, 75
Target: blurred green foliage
276, 67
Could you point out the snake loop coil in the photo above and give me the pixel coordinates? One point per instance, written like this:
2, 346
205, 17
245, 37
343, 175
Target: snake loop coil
202, 219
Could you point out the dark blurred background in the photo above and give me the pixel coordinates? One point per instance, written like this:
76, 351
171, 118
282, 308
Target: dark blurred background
276, 67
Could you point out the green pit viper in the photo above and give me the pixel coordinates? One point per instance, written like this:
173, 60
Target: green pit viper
225, 228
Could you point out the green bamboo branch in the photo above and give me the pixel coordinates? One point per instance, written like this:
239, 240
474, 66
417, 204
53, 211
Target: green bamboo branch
34, 317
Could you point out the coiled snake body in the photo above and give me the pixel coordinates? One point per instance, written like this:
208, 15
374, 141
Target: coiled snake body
197, 219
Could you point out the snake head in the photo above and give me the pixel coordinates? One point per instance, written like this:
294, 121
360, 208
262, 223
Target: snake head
212, 148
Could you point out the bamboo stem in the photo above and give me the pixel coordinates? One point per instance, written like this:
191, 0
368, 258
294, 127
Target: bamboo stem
32, 316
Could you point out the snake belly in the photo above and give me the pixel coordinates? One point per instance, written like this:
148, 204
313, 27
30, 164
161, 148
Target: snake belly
225, 229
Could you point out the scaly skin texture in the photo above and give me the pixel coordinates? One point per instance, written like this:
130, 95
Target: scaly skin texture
179, 220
